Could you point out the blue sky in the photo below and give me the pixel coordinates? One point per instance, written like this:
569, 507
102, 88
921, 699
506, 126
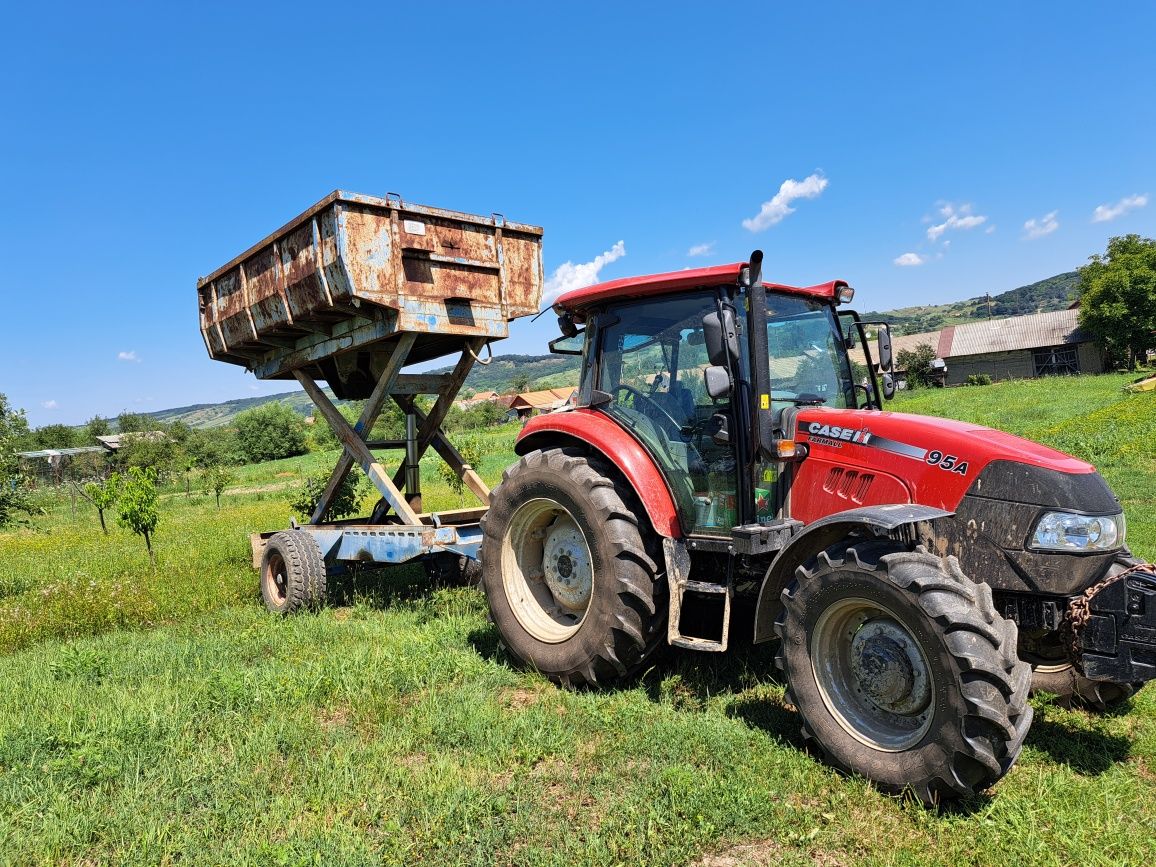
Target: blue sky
144, 145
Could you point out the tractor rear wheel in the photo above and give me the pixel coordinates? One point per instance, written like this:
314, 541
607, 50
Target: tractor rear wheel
902, 670
570, 570
292, 572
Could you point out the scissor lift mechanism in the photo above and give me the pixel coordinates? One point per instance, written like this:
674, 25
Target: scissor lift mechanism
398, 531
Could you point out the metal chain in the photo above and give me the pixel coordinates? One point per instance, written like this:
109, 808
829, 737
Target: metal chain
1080, 611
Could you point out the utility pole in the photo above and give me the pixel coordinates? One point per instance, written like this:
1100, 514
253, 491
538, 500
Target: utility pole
988, 295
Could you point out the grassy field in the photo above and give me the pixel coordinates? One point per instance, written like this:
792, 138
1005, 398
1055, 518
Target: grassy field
163, 717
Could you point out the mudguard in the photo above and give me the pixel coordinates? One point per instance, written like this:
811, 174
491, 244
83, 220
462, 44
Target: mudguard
819, 535
586, 427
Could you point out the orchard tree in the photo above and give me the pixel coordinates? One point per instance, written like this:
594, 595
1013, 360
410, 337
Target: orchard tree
132, 422
1118, 299
217, 478
103, 496
14, 500
270, 432
137, 509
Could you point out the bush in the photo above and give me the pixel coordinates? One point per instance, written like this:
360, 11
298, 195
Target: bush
917, 364
978, 379
270, 432
347, 502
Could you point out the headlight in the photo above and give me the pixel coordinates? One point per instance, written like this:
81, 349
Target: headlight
1063, 531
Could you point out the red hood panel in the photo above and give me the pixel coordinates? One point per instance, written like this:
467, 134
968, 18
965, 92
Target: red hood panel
937, 459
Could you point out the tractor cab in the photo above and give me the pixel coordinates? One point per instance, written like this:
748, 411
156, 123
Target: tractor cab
706, 369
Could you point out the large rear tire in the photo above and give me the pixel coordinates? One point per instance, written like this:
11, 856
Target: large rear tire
903, 671
570, 570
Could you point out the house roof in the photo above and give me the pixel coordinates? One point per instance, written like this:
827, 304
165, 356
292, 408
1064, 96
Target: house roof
112, 442
899, 342
1018, 332
546, 399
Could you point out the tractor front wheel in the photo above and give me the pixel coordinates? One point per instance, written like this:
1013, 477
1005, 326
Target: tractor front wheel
902, 670
570, 570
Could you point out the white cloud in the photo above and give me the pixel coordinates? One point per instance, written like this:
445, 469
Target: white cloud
569, 276
1045, 225
701, 249
955, 218
49, 404
779, 206
128, 356
1103, 213
908, 260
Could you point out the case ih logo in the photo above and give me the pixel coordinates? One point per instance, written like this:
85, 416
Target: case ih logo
834, 432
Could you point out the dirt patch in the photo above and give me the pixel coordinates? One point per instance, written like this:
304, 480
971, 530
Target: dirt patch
332, 718
762, 853
1142, 770
516, 699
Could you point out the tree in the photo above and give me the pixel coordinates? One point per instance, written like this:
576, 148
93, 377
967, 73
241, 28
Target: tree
137, 509
14, 500
347, 500
216, 479
103, 496
132, 422
54, 436
917, 363
1118, 299
269, 432
472, 456
520, 383
96, 427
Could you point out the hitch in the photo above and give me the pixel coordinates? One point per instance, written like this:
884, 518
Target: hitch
1113, 627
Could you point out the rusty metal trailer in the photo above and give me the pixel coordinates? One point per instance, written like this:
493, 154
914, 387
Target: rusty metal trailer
353, 291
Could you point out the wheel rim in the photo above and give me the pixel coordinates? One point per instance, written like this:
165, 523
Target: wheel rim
275, 580
547, 571
872, 674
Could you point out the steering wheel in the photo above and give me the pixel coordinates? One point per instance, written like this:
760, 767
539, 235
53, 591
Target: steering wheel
650, 401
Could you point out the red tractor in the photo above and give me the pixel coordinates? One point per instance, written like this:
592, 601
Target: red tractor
920, 575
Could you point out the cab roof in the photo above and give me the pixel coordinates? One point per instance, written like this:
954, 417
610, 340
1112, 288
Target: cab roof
676, 281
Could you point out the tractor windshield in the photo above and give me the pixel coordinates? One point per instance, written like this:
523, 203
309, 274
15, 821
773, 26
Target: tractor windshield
807, 361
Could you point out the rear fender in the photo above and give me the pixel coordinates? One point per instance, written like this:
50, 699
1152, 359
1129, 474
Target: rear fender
899, 522
590, 429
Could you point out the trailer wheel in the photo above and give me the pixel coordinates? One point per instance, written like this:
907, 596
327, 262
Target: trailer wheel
903, 671
292, 572
569, 570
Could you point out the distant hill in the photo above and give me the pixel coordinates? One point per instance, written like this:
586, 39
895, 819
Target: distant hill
205, 415
1054, 293
553, 371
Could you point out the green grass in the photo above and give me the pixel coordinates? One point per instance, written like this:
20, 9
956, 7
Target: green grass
197, 729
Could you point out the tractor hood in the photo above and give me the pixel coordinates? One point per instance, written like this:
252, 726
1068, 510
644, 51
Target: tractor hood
940, 460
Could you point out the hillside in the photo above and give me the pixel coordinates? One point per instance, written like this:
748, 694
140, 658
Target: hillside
553, 371
1054, 293
206, 415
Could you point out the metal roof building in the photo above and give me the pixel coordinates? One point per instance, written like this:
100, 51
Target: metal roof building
1018, 347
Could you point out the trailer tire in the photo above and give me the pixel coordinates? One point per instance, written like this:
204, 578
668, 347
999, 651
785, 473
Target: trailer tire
570, 572
292, 573
903, 671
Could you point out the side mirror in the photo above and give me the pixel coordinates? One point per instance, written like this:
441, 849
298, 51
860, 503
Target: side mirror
567, 325
718, 381
722, 337
888, 386
883, 343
